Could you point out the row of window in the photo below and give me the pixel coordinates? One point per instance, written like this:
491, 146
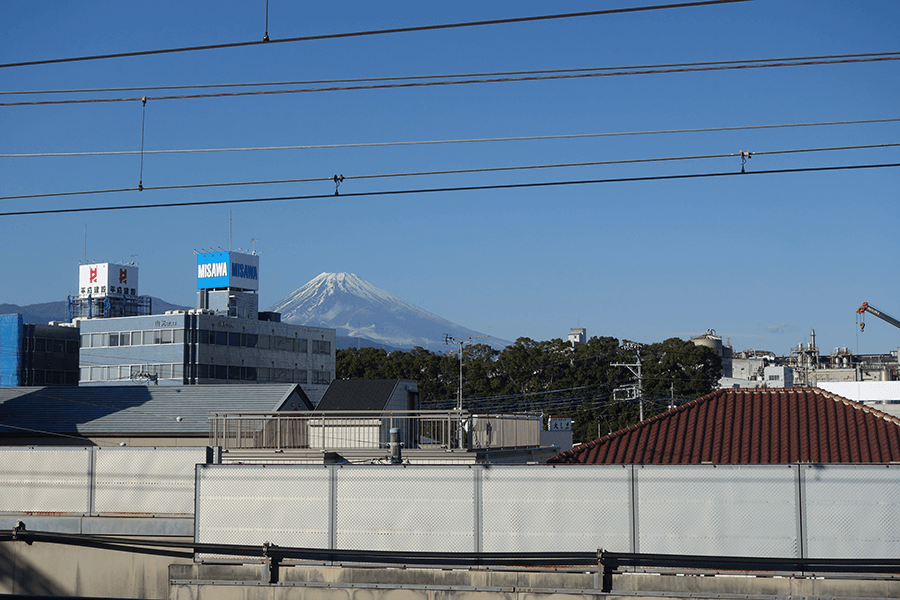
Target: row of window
219, 338
266, 374
132, 338
222, 372
132, 372
37, 344
49, 377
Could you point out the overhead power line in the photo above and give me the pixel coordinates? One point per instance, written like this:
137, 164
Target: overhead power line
472, 188
416, 84
331, 36
440, 76
143, 188
457, 141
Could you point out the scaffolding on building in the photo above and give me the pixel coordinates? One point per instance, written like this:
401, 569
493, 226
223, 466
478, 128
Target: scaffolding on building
109, 306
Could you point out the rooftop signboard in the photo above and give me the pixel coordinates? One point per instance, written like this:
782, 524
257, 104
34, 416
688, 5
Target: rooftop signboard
102, 279
228, 270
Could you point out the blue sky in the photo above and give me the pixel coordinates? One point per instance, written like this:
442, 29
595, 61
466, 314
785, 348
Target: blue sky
760, 259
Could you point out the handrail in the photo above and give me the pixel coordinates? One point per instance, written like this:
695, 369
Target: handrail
369, 429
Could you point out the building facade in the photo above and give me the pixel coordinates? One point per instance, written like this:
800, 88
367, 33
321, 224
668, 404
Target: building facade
198, 347
226, 340
37, 354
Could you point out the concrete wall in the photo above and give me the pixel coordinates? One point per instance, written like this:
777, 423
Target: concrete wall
58, 570
51, 569
190, 582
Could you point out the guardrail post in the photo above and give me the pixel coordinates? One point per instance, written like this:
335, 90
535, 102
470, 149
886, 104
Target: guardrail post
604, 575
278, 431
271, 563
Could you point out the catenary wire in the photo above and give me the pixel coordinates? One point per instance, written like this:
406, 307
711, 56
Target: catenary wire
331, 36
447, 171
456, 141
437, 76
472, 188
419, 84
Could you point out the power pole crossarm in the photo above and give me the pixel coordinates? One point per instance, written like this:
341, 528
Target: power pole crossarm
635, 369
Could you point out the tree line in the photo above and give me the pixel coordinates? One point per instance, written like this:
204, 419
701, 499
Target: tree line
551, 377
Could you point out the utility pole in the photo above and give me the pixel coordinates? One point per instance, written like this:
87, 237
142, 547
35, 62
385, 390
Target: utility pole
460, 341
635, 369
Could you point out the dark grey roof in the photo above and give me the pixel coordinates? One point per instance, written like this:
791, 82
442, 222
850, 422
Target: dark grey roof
142, 410
357, 394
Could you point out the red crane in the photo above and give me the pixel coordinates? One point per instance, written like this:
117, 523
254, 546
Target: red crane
868, 308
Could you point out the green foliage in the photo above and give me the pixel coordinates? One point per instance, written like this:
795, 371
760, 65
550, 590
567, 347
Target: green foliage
550, 377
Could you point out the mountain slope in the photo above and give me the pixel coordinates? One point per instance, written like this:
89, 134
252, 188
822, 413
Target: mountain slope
357, 309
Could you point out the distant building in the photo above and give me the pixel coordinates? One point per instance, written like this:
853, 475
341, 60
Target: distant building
225, 340
577, 335
558, 433
881, 395
37, 354
749, 368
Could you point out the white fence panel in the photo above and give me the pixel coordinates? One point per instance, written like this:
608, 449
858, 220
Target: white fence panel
146, 480
579, 508
748, 510
417, 508
852, 511
287, 505
45, 480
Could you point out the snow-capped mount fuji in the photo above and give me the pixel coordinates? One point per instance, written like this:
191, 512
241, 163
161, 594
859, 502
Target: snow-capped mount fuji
357, 309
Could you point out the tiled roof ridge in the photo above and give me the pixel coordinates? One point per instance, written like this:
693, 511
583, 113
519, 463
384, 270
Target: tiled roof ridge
722, 394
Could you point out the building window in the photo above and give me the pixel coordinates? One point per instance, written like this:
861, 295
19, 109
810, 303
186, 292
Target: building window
321, 347
320, 376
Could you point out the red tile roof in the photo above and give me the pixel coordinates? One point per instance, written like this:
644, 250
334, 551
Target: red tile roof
752, 426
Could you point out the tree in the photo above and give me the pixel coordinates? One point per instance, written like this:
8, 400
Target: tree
680, 368
551, 376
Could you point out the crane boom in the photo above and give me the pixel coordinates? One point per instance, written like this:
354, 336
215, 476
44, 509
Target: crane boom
868, 308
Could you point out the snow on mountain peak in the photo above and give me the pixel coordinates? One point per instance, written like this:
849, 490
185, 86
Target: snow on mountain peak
357, 308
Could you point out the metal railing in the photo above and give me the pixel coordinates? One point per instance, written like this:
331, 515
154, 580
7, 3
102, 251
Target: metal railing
359, 430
